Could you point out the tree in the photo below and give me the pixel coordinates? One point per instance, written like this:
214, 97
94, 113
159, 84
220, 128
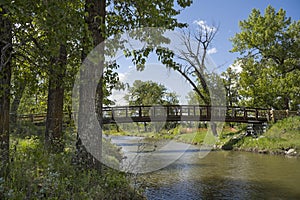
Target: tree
89, 140
45, 35
230, 81
269, 49
149, 93
5, 79
59, 24
29, 75
194, 65
106, 19
51, 38
193, 59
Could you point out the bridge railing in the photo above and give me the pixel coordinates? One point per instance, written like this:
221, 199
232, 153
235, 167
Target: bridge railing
177, 113
186, 112
281, 114
40, 118
36, 118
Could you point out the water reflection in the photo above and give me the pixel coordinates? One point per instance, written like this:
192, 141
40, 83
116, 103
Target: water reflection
227, 175
221, 175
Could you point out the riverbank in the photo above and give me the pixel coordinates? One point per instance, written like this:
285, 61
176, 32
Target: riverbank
34, 173
281, 138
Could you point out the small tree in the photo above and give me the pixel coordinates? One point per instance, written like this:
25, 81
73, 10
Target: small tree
230, 81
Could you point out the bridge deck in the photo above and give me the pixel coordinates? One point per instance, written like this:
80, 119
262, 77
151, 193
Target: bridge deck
172, 113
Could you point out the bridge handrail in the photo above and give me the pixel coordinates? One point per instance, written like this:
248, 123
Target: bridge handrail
203, 111
233, 113
177, 105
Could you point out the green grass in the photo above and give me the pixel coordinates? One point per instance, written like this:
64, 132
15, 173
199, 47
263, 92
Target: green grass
38, 174
179, 133
196, 137
281, 136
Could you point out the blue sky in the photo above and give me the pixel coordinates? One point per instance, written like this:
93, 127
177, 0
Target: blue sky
227, 14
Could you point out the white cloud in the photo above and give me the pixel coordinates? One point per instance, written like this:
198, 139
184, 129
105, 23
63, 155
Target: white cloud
122, 76
203, 25
212, 51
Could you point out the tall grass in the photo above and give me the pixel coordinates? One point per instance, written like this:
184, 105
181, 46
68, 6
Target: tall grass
282, 135
37, 174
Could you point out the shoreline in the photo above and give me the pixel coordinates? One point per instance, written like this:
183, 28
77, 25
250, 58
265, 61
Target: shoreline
281, 138
219, 146
294, 153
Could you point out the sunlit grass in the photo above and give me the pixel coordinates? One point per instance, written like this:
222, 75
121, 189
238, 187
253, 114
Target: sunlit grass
37, 174
283, 135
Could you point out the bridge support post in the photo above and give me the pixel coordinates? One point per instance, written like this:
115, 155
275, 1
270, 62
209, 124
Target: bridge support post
258, 129
213, 127
255, 129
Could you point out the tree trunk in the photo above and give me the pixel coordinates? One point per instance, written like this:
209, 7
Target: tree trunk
5, 78
54, 134
145, 127
16, 102
96, 22
286, 103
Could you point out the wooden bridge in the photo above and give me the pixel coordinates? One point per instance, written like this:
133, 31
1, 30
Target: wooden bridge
173, 113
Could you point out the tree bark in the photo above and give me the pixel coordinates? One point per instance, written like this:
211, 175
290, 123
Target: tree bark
96, 23
5, 79
16, 102
286, 103
54, 120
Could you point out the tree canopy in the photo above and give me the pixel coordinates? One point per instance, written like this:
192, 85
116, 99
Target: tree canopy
150, 93
43, 44
269, 57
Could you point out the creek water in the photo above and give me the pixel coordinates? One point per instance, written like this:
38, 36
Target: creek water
223, 175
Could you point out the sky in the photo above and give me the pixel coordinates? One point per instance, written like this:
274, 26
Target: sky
223, 13
227, 14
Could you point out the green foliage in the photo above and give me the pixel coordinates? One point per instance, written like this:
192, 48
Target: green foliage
269, 46
37, 174
43, 26
48, 49
150, 93
132, 14
230, 81
196, 137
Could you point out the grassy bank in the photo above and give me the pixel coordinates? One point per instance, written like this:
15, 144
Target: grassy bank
195, 136
37, 174
282, 137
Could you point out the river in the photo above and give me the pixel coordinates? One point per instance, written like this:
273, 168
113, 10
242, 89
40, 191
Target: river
223, 175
